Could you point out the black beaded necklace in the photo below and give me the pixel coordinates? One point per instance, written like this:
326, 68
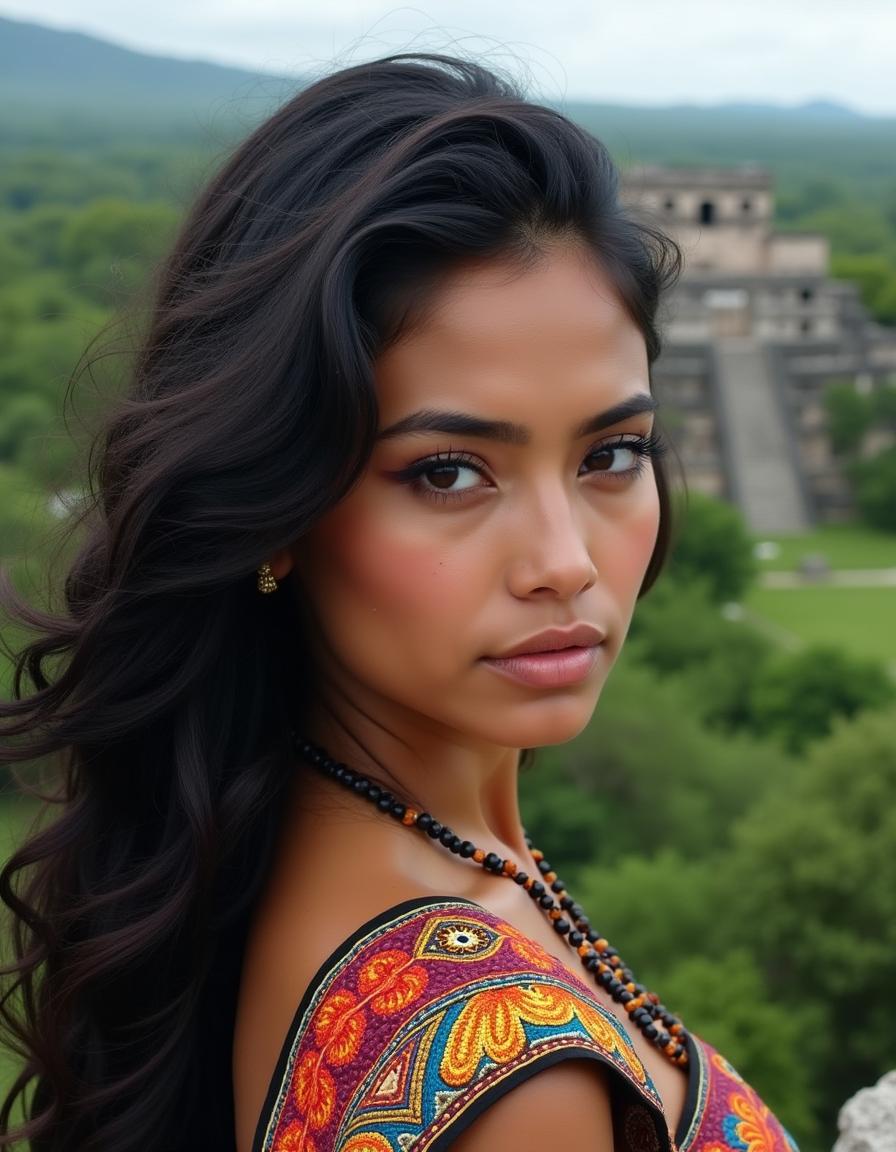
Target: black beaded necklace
603, 962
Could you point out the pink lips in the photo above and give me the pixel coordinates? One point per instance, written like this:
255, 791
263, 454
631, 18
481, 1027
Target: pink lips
554, 669
552, 658
578, 635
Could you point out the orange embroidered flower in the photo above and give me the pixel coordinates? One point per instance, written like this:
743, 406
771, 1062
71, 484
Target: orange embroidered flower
367, 1142
601, 1030
315, 1090
752, 1127
339, 1026
398, 981
525, 948
723, 1066
491, 1024
294, 1139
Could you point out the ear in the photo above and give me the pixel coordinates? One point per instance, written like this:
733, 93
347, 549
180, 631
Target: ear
281, 562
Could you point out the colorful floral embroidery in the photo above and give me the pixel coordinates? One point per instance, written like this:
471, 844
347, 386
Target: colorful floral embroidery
461, 938
610, 1037
367, 1142
438, 1004
339, 1026
315, 1091
748, 1123
394, 978
490, 1025
729, 1116
525, 948
295, 1138
719, 1061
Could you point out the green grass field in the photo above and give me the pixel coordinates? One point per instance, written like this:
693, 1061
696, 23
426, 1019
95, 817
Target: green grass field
844, 545
862, 621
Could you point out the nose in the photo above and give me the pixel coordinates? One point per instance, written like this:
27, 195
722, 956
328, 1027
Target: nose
552, 555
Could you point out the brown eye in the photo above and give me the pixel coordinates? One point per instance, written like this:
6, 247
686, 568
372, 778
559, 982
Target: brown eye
608, 456
436, 477
444, 475
641, 447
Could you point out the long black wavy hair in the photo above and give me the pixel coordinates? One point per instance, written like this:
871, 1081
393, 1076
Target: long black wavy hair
164, 690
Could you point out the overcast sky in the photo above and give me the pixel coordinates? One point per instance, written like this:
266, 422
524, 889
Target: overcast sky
623, 51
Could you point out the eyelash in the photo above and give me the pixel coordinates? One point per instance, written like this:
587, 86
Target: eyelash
644, 447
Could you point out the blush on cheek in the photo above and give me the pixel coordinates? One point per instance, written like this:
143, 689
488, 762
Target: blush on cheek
405, 579
392, 606
639, 539
642, 543
387, 572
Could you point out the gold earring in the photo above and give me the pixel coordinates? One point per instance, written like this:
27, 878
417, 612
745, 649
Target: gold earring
266, 581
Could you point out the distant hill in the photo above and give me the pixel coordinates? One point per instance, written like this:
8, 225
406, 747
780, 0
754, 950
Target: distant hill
67, 90
46, 73
820, 109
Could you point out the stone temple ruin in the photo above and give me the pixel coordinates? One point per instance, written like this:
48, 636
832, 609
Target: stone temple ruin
754, 331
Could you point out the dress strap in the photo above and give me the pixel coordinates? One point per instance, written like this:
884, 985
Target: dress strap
424, 1017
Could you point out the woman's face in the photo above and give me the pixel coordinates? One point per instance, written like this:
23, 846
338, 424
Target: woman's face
411, 583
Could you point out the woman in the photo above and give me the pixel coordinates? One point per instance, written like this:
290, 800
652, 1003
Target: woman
391, 432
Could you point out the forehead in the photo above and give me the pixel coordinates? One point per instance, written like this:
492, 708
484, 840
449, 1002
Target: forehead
495, 333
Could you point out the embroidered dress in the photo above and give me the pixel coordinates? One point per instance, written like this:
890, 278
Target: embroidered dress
435, 1008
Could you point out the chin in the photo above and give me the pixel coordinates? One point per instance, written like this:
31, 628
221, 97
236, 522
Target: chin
548, 721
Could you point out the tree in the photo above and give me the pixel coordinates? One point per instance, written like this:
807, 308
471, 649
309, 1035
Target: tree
679, 628
874, 484
798, 695
38, 231
684, 895
724, 1000
22, 416
714, 545
675, 934
812, 881
646, 774
18, 508
854, 227
849, 415
722, 683
13, 261
61, 177
110, 244
884, 308
872, 272
883, 401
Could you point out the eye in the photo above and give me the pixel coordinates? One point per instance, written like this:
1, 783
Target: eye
434, 477
641, 448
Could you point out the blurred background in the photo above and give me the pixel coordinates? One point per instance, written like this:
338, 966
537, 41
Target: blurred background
729, 816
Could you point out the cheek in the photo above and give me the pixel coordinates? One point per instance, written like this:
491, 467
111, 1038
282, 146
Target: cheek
382, 575
402, 579
627, 561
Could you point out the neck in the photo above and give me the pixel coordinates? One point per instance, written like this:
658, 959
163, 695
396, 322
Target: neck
471, 788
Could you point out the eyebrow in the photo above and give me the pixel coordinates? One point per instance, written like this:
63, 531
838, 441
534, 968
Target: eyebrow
464, 424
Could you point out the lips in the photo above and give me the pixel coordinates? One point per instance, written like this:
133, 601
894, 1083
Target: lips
580, 635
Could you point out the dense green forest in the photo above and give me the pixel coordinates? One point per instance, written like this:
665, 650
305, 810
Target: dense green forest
739, 845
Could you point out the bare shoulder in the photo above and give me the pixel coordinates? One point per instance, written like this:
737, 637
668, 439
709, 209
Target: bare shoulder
292, 935
564, 1103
